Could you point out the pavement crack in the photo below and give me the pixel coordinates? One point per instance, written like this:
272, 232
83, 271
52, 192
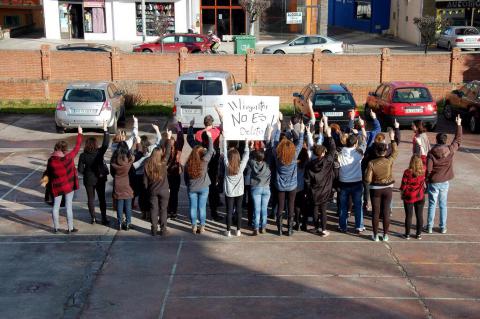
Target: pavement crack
77, 301
410, 283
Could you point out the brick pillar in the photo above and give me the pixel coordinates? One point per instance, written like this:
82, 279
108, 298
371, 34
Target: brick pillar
115, 64
250, 66
182, 60
317, 66
455, 65
45, 62
385, 65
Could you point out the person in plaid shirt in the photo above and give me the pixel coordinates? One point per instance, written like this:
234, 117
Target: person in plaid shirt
63, 177
413, 194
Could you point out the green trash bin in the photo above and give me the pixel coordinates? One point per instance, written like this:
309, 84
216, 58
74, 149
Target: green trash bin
243, 43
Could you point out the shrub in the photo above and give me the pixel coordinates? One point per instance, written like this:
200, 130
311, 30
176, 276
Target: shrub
130, 93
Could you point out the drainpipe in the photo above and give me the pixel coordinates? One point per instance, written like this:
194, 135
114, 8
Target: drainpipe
144, 22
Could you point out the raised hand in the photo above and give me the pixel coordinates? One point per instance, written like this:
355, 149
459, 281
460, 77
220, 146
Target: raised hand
290, 125
192, 122
169, 134
361, 122
105, 125
280, 116
134, 118
373, 115
396, 124
458, 120
302, 127
391, 133
80, 130
352, 114
328, 131
155, 127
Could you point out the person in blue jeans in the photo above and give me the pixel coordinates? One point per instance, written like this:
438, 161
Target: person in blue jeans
260, 176
198, 182
351, 178
439, 173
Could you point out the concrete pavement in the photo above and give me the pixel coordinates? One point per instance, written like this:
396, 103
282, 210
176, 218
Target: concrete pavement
102, 273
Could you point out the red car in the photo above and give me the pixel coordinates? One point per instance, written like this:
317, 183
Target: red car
404, 101
168, 43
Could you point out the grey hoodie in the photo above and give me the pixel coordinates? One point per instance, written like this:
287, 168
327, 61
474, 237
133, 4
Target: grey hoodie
260, 174
234, 185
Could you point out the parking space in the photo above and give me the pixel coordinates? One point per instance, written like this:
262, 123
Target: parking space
102, 273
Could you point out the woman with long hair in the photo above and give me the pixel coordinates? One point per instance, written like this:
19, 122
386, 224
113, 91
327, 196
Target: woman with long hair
286, 154
413, 195
421, 143
156, 183
63, 178
233, 185
379, 176
198, 182
95, 172
174, 170
121, 163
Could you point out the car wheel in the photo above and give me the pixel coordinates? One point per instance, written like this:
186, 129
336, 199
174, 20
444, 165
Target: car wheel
326, 51
473, 124
279, 52
147, 51
59, 129
449, 47
113, 129
448, 112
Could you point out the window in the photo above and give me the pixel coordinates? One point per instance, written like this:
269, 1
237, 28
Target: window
94, 20
300, 41
185, 39
317, 40
411, 95
199, 87
343, 100
198, 39
386, 93
213, 87
84, 95
168, 40
12, 21
379, 90
363, 9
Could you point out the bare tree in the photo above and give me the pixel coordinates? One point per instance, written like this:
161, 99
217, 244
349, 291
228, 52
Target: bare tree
161, 24
428, 27
254, 10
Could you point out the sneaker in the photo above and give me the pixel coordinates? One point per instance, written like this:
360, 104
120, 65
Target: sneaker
325, 233
360, 230
129, 226
228, 233
419, 237
428, 229
375, 238
385, 237
238, 233
319, 231
55, 230
255, 232
443, 230
407, 237
194, 229
342, 230
73, 230
262, 230
202, 229
93, 221
164, 232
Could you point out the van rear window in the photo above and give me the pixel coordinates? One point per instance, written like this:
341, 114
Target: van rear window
201, 87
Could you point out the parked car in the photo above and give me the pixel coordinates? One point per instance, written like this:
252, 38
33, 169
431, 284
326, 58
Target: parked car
91, 47
459, 37
465, 102
90, 105
404, 101
332, 100
195, 43
306, 44
196, 94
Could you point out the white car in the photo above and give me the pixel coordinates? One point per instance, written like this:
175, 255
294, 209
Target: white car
459, 37
306, 44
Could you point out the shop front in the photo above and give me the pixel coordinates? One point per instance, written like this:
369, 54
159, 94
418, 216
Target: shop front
295, 17
223, 17
364, 15
459, 13
120, 20
21, 16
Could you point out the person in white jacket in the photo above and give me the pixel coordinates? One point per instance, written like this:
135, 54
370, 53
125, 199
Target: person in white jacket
351, 179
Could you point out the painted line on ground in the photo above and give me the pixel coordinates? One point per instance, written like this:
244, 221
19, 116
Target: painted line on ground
170, 280
327, 298
11, 154
21, 182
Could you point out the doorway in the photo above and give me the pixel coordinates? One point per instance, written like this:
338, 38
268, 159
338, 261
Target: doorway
223, 17
71, 20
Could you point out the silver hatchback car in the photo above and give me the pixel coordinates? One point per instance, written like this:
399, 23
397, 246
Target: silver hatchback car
459, 37
90, 105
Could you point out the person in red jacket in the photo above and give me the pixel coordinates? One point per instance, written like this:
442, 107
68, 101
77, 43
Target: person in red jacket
63, 177
413, 194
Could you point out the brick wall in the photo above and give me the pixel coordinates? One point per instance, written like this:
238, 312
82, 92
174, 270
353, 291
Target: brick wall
43, 75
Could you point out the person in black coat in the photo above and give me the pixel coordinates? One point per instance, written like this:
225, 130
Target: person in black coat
92, 165
319, 176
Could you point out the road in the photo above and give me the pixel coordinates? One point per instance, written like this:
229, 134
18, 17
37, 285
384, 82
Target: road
102, 273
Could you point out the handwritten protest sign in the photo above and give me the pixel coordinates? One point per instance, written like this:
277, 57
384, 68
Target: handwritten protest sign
247, 117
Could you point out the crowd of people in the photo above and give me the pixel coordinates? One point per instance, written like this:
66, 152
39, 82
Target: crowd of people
297, 171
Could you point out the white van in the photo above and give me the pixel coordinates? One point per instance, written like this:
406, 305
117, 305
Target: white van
197, 93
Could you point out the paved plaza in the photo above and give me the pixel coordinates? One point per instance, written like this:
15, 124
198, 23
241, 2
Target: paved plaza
102, 273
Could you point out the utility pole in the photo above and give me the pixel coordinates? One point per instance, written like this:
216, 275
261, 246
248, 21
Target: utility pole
144, 22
